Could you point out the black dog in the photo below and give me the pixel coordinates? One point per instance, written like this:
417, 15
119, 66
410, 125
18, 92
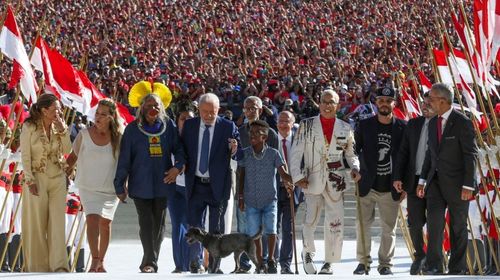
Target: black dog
222, 245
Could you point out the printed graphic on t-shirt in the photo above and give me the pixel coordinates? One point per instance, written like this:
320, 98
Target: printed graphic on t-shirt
384, 154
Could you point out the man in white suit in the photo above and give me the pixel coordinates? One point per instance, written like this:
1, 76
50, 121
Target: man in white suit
317, 165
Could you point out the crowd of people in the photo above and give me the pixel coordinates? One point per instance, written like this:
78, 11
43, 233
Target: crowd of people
237, 93
285, 50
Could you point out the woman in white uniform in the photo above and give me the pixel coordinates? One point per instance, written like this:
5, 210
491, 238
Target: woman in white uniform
95, 152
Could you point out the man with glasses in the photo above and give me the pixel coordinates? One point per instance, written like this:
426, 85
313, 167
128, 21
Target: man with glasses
447, 180
377, 145
317, 167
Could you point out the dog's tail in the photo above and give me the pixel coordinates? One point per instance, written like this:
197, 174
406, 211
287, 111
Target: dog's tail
258, 234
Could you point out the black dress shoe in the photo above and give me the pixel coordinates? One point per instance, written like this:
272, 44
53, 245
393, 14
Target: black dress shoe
385, 271
177, 270
416, 267
361, 269
286, 270
457, 272
432, 271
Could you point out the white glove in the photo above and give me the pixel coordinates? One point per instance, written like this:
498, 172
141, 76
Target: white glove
2, 147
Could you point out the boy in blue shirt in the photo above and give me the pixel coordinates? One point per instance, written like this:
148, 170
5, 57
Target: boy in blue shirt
258, 190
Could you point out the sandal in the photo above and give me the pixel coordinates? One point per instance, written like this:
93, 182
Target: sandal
100, 267
148, 269
95, 264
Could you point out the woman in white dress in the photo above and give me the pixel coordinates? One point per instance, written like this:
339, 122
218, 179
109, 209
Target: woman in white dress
95, 152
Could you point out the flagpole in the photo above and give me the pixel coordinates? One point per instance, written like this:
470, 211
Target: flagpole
478, 91
433, 62
488, 99
481, 141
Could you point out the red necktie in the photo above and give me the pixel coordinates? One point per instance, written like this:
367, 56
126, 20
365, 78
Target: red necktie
285, 152
439, 128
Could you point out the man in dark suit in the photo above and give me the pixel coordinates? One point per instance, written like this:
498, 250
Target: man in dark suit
406, 174
377, 144
208, 176
285, 138
447, 180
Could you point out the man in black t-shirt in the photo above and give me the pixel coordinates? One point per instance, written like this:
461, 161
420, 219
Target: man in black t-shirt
377, 145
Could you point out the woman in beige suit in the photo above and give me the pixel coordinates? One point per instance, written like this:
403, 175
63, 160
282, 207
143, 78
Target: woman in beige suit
44, 141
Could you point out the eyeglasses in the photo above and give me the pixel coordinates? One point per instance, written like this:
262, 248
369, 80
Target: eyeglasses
251, 109
332, 103
433, 98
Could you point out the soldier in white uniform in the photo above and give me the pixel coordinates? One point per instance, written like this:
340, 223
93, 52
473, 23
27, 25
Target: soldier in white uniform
317, 166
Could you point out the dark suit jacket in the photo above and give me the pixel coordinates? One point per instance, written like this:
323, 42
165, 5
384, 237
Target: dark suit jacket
366, 147
404, 169
454, 157
219, 159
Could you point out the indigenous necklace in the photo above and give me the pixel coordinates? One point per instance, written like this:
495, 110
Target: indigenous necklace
154, 139
262, 153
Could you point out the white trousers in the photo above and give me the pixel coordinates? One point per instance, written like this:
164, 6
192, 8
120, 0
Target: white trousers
333, 203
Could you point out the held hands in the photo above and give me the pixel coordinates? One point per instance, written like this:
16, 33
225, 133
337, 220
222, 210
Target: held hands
122, 197
233, 145
171, 175
420, 191
303, 183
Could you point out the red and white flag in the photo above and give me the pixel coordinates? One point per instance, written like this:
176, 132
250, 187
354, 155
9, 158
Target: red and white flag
444, 71
12, 46
424, 82
412, 108
61, 77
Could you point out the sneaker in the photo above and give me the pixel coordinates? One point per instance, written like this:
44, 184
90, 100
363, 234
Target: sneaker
196, 268
308, 263
286, 270
361, 269
326, 269
271, 267
385, 271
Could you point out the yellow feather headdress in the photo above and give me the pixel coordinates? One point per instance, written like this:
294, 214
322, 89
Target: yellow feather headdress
143, 88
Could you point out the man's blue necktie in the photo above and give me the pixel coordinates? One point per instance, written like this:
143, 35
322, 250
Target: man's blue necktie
205, 146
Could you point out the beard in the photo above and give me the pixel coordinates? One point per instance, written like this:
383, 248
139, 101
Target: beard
385, 113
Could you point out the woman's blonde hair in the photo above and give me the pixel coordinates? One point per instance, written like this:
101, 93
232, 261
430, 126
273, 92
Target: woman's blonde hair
115, 125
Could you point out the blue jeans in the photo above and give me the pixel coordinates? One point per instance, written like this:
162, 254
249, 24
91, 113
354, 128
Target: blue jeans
266, 216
